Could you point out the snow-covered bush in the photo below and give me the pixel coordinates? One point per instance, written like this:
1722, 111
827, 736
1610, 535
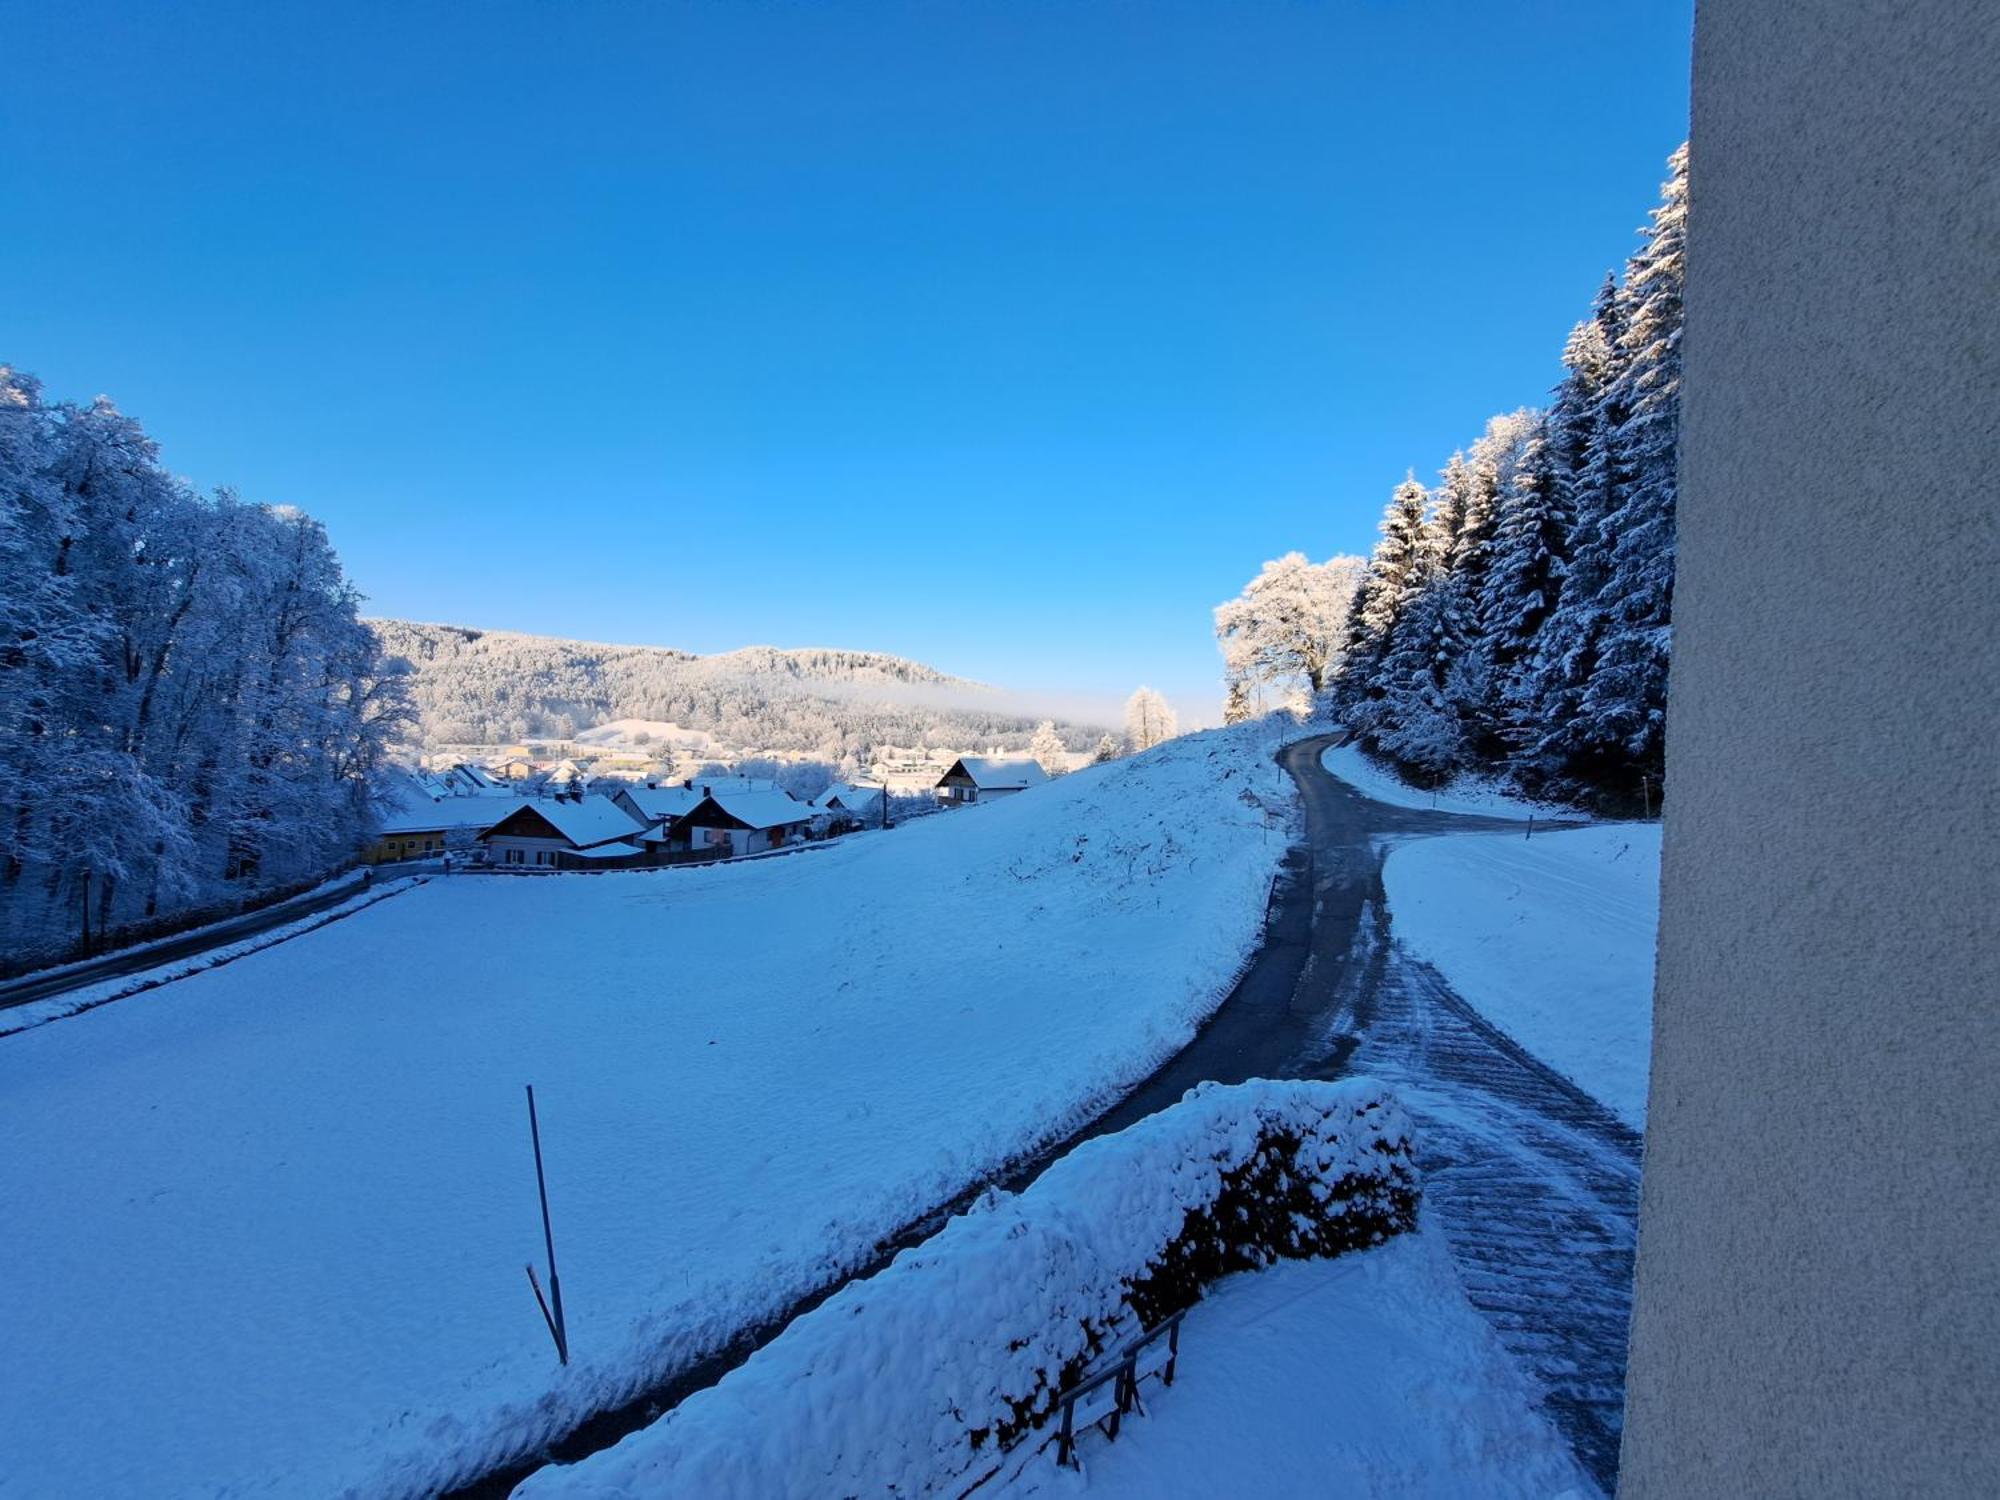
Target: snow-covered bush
915, 1380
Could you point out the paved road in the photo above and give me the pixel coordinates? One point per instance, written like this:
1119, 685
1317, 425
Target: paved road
1535, 1183
234, 930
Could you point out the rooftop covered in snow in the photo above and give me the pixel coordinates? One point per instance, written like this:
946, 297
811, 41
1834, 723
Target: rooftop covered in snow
995, 773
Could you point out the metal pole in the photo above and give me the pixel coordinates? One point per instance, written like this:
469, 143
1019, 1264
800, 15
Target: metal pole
86, 911
557, 1327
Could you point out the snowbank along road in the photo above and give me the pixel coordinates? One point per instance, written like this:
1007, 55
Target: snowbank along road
1535, 1182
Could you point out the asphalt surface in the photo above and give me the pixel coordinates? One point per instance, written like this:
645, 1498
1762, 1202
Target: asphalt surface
1534, 1182
33, 987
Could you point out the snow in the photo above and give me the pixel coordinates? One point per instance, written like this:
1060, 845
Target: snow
880, 1389
763, 809
993, 773
661, 802
416, 811
269, 1221
1365, 1375
1550, 937
593, 820
659, 735
1467, 794
90, 996
851, 797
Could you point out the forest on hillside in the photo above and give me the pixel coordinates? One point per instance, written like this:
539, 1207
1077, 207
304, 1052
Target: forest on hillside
1516, 618
474, 687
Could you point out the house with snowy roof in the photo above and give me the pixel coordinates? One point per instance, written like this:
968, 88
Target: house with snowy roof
745, 822
422, 822
658, 805
987, 778
591, 832
850, 803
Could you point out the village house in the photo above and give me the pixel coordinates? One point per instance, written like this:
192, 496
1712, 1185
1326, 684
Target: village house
987, 778
851, 804
424, 821
559, 834
661, 808
745, 822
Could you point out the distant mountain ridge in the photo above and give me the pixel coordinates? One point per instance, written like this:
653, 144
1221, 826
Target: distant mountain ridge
476, 686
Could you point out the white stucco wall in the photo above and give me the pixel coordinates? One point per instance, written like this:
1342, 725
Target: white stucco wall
1818, 1303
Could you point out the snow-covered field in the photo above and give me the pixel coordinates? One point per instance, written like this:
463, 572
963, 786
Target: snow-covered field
1465, 795
1551, 938
265, 1226
1365, 1375
898, 1384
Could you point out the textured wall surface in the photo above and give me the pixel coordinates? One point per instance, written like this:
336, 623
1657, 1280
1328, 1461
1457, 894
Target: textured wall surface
1819, 1259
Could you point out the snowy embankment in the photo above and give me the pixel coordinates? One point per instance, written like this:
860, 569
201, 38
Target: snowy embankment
1467, 794
89, 996
1369, 1375
269, 1221
1551, 938
917, 1380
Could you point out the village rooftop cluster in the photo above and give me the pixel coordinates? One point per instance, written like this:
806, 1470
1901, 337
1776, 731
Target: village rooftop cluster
467, 813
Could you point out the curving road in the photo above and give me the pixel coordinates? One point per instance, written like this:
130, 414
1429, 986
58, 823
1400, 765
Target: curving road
125, 962
1536, 1185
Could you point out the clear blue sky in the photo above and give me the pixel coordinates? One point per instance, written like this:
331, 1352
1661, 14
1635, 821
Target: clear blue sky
1007, 335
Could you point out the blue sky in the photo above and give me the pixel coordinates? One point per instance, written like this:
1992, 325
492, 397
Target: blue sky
1010, 335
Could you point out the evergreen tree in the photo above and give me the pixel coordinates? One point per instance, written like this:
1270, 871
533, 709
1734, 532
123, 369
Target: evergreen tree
1372, 618
1590, 477
1236, 704
1624, 705
1602, 694
1412, 718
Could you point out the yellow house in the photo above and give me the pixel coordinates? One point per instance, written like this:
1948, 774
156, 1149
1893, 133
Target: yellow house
421, 826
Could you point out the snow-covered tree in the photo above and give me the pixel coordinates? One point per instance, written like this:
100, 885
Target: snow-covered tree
189, 705
1372, 616
1523, 619
1599, 694
1048, 749
1107, 750
1290, 621
1237, 704
1148, 720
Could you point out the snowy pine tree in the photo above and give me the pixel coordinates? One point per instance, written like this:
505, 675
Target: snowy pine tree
1598, 697
1372, 617
1524, 622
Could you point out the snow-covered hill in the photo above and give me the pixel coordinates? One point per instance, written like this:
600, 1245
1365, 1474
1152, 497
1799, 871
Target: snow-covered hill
274, 1216
500, 686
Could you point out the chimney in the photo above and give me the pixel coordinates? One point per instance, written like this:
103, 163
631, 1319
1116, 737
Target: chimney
706, 792
688, 785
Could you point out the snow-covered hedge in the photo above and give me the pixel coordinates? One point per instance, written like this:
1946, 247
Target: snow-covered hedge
916, 1380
